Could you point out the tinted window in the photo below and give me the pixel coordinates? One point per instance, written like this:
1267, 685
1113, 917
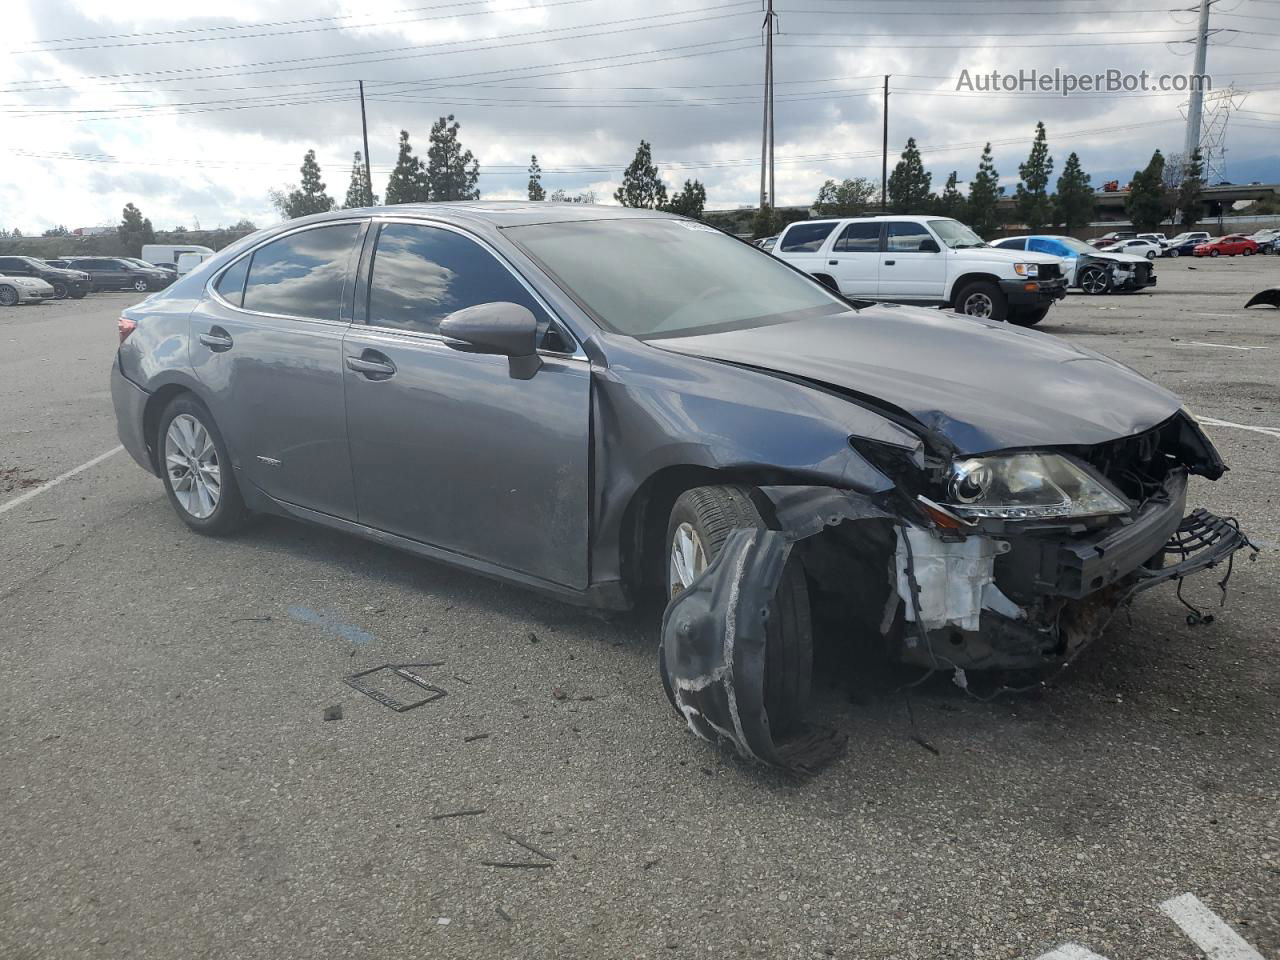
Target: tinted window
859, 238
230, 285
805, 237
1037, 245
1017, 243
422, 274
302, 275
904, 237
10, 263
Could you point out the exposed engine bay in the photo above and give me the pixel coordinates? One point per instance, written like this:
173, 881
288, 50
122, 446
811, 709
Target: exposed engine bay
942, 579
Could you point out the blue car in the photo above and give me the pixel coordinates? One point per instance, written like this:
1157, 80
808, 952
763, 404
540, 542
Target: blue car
1087, 268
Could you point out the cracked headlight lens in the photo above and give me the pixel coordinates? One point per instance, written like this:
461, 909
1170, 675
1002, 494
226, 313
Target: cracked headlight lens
1029, 486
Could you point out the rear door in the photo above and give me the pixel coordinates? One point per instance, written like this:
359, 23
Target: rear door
448, 448
912, 266
267, 344
853, 260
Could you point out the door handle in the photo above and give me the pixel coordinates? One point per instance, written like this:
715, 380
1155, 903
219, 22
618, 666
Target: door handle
379, 369
833, 263
890, 263
217, 340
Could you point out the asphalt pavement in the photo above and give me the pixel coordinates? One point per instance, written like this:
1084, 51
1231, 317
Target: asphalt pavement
171, 789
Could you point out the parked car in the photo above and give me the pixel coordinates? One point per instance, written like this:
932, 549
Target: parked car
933, 261
1141, 248
117, 273
1159, 239
1268, 241
1114, 237
1184, 244
504, 387
65, 282
19, 290
170, 254
1230, 245
1087, 268
767, 243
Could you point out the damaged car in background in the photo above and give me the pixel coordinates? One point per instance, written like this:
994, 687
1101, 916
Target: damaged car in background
603, 403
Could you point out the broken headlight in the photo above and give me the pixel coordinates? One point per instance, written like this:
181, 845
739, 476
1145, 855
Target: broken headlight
1028, 486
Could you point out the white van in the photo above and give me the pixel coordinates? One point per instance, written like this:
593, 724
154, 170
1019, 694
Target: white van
167, 254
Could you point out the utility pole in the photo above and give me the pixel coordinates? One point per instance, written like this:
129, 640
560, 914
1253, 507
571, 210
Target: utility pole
1196, 107
368, 170
766, 134
884, 152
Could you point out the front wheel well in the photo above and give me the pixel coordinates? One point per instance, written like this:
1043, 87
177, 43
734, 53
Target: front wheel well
966, 279
644, 522
156, 405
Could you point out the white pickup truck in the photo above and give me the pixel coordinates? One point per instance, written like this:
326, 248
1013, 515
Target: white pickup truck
925, 261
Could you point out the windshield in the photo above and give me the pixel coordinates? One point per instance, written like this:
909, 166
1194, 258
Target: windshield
1079, 246
956, 235
666, 278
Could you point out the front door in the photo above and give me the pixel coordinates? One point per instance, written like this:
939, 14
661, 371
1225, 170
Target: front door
448, 448
853, 260
912, 266
268, 349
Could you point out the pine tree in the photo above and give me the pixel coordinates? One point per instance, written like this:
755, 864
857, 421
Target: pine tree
536, 191
1190, 190
310, 197
951, 201
909, 184
984, 194
451, 173
849, 198
1031, 197
1145, 204
1073, 203
641, 185
359, 190
689, 201
406, 183
134, 230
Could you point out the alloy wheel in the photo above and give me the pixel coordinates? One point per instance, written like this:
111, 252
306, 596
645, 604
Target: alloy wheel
8, 296
978, 305
140, 285
59, 291
688, 559
191, 460
1093, 281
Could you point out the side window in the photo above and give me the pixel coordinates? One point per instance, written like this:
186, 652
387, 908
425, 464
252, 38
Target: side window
230, 285
805, 237
1020, 243
904, 237
9, 264
859, 238
422, 274
1039, 245
303, 274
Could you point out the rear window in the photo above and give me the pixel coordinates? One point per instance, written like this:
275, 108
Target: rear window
303, 274
805, 237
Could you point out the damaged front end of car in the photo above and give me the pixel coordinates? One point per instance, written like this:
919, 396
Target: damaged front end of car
1009, 561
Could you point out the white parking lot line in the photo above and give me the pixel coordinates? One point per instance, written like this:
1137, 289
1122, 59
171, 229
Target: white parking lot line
1071, 951
1215, 422
49, 485
1207, 929
1220, 346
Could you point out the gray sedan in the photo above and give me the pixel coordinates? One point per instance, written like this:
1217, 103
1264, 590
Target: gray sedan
600, 402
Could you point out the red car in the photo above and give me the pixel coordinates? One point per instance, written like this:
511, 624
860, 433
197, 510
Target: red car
1230, 245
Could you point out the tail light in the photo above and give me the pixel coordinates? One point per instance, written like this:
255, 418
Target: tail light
125, 326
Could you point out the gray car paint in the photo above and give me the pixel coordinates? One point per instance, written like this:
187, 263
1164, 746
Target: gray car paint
594, 445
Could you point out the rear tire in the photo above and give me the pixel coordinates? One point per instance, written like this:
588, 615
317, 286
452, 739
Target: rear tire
982, 299
1028, 317
141, 285
710, 513
197, 471
1247, 252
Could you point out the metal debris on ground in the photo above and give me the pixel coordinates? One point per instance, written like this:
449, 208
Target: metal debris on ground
403, 672
474, 737
1265, 298
528, 846
334, 712
458, 813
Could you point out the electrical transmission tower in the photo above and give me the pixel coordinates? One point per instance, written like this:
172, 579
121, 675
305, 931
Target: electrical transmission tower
1213, 130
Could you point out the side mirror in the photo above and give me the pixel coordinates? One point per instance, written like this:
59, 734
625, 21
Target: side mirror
505, 329
929, 246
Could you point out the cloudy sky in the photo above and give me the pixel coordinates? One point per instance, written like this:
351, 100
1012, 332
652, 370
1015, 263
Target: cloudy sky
196, 118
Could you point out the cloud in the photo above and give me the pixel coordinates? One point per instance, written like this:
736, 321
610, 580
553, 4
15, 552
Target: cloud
210, 118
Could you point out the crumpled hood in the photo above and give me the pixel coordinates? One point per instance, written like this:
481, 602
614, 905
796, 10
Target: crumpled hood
983, 385
1117, 257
